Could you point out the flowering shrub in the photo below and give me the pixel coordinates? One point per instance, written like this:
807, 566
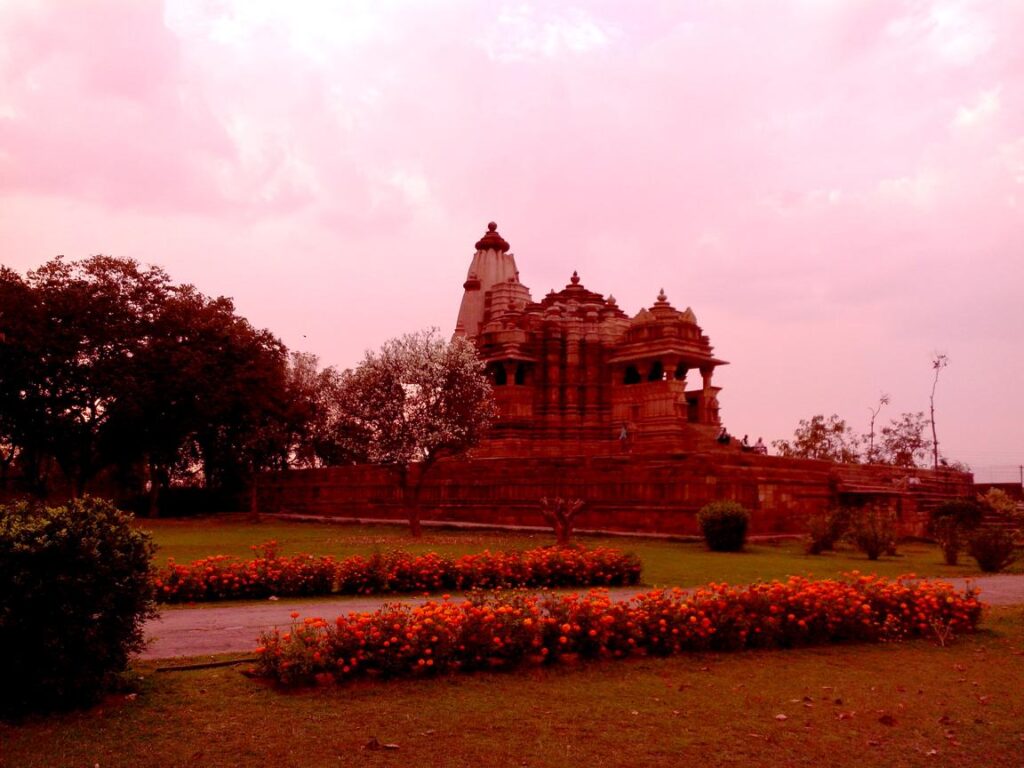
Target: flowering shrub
222, 577
228, 578
520, 628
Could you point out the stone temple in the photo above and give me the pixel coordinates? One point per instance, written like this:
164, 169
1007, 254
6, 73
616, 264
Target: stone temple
575, 375
618, 411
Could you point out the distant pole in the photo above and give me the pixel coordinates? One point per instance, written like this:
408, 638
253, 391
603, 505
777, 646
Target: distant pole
939, 361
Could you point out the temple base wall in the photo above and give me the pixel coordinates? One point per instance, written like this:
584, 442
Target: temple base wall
622, 493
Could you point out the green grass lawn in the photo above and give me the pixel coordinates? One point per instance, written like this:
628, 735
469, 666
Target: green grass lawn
665, 562
913, 704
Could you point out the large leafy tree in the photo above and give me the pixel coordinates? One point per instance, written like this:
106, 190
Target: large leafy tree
108, 365
417, 400
820, 438
93, 320
903, 441
19, 325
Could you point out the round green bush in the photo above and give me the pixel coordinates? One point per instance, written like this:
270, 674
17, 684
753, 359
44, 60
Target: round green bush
75, 589
724, 525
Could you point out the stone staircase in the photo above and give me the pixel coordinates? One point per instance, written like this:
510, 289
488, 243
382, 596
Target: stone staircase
1015, 525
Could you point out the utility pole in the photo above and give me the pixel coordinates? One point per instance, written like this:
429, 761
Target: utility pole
939, 361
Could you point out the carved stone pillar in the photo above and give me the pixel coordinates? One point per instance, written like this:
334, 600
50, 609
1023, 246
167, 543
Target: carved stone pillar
573, 364
553, 376
703, 412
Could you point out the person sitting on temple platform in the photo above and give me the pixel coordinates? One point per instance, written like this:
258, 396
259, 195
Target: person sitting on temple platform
723, 437
624, 438
760, 447
745, 444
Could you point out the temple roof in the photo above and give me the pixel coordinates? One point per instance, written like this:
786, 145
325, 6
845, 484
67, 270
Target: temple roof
574, 291
663, 330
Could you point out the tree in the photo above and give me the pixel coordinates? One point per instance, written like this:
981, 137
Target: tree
939, 361
18, 323
415, 401
561, 513
321, 418
245, 420
827, 440
94, 321
109, 366
871, 456
903, 441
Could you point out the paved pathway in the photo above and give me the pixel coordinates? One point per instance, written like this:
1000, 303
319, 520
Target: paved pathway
218, 628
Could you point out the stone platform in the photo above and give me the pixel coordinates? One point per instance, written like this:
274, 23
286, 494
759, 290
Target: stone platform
629, 493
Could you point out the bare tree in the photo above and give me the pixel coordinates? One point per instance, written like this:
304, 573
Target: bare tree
560, 513
416, 401
871, 456
939, 361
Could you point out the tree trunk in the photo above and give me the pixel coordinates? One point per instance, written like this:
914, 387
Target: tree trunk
254, 507
153, 500
563, 532
415, 527
157, 480
411, 494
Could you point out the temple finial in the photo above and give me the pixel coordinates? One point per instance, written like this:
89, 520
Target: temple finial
661, 296
575, 279
492, 240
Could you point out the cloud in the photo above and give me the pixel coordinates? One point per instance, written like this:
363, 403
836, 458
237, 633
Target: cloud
525, 31
984, 108
809, 177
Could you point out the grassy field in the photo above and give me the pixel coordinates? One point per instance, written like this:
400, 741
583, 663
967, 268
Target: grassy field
665, 562
914, 704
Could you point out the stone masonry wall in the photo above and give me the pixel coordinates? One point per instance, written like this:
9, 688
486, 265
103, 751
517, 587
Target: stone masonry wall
622, 493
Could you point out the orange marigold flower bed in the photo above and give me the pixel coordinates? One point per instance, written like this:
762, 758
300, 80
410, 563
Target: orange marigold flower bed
512, 629
228, 578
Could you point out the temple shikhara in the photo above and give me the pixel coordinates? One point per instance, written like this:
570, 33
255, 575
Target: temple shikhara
619, 410
574, 374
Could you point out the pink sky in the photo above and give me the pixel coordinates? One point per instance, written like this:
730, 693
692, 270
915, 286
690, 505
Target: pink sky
837, 189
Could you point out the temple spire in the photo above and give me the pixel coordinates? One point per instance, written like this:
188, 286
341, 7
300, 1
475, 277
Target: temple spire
492, 264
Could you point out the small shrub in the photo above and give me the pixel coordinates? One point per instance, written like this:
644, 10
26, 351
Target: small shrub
724, 525
994, 549
965, 512
948, 535
825, 530
75, 589
874, 533
999, 501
